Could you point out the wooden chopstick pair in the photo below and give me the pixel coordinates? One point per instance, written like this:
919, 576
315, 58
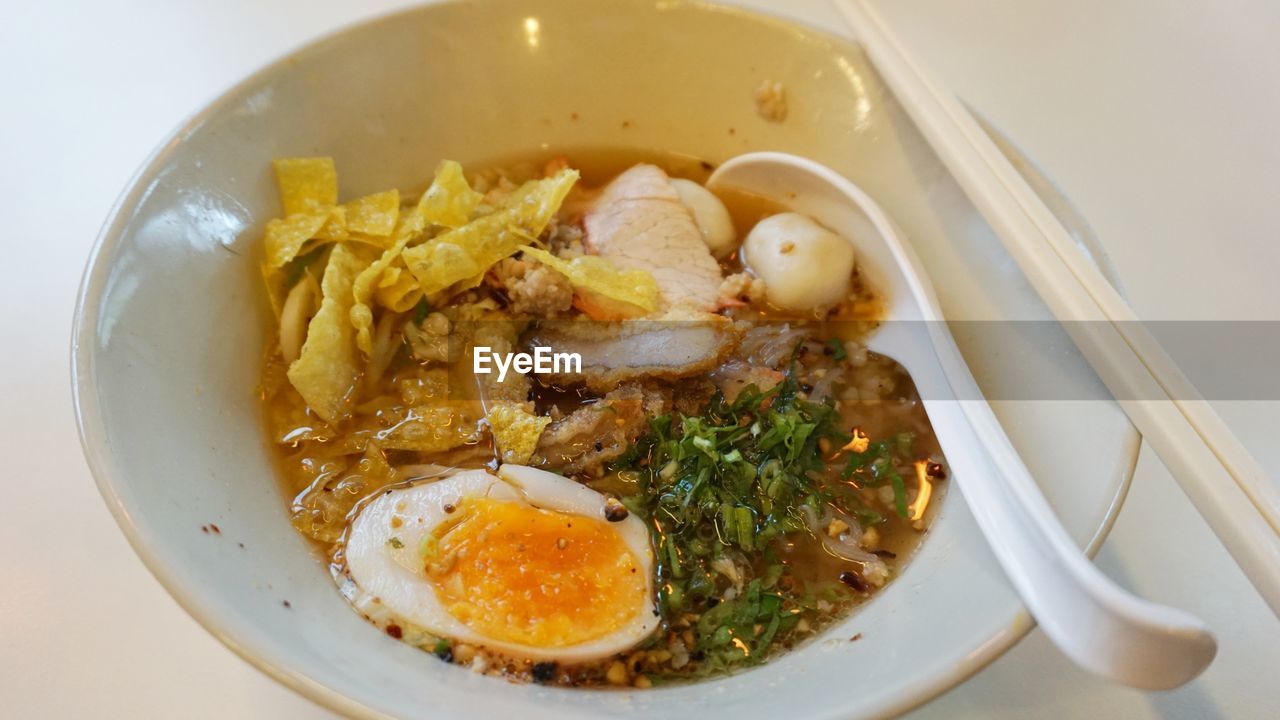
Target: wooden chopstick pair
1227, 485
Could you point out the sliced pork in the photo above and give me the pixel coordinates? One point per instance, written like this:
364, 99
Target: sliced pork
735, 376
593, 435
639, 222
677, 344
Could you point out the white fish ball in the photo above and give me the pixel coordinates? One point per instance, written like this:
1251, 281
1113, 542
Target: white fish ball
710, 215
804, 265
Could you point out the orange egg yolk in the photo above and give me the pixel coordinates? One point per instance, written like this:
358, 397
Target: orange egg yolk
535, 577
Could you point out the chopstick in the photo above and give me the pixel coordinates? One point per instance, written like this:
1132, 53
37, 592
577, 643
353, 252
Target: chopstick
1215, 471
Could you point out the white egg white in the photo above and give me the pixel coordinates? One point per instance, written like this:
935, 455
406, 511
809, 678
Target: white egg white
383, 560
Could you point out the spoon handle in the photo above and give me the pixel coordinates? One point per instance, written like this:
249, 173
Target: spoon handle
1226, 484
1097, 624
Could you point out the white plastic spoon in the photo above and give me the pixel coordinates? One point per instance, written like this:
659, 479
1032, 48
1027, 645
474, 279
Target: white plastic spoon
1097, 624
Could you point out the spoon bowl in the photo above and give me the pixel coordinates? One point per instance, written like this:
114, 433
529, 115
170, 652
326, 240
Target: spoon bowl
1100, 626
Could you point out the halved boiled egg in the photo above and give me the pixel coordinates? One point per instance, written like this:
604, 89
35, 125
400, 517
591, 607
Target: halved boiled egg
526, 563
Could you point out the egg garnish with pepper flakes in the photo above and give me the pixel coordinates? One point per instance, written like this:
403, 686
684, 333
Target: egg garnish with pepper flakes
526, 563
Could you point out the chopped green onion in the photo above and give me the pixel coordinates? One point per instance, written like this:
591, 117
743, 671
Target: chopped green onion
837, 349
899, 494
297, 266
421, 311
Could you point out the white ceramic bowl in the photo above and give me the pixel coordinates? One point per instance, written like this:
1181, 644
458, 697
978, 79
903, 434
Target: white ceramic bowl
171, 322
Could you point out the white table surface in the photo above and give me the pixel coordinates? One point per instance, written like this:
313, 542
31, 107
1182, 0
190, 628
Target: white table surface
1160, 119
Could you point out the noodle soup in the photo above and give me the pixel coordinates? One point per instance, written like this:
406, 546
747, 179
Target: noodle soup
728, 472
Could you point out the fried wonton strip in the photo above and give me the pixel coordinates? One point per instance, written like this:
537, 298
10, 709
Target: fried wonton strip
398, 290
516, 431
276, 290
596, 277
375, 214
307, 184
285, 237
335, 227
467, 251
361, 314
448, 199
326, 371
